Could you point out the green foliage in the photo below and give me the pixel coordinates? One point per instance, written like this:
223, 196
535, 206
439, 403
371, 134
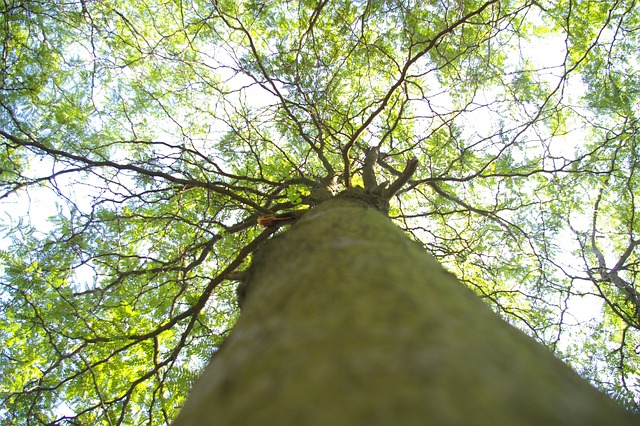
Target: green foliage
140, 141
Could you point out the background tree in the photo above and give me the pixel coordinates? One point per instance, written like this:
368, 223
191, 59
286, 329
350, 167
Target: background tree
152, 135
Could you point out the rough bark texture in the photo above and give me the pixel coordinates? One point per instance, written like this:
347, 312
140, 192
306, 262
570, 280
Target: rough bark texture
348, 322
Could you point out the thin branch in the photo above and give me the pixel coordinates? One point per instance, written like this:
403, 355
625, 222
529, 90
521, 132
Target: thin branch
130, 167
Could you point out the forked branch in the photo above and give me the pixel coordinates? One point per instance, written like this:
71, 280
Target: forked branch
409, 170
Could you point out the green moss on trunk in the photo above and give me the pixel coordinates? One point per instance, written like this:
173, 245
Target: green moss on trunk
348, 322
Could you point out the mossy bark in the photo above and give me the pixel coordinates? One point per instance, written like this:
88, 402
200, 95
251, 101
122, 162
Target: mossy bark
348, 322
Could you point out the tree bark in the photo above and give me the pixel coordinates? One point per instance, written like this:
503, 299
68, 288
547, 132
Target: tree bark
346, 321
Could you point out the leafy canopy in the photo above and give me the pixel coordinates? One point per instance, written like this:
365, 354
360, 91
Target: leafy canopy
141, 140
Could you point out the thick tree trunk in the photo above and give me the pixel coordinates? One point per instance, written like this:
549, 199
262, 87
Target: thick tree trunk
348, 322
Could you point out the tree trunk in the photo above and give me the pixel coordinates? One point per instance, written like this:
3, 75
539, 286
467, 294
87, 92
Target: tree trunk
346, 321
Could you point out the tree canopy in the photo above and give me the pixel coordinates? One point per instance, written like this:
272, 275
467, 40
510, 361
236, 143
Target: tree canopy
141, 141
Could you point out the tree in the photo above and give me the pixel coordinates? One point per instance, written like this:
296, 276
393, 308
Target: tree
347, 321
153, 135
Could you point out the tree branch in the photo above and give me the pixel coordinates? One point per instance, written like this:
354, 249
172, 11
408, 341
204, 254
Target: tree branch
409, 170
368, 170
53, 152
